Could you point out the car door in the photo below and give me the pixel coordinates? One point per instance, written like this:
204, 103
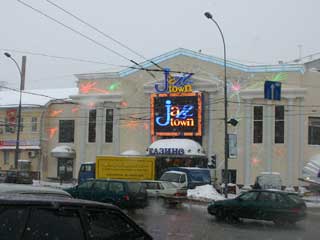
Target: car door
100, 191
116, 193
85, 190
245, 205
267, 205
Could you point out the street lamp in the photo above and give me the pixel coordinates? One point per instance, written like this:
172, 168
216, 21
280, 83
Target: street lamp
226, 137
16, 154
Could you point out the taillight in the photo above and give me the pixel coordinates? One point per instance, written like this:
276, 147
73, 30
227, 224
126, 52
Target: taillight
180, 194
295, 210
126, 197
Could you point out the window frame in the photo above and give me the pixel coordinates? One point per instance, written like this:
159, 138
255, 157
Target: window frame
109, 120
317, 128
61, 135
255, 138
92, 126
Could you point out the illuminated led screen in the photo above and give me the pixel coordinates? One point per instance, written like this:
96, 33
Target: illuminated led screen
176, 114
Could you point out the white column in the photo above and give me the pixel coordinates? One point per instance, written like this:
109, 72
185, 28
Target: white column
301, 137
289, 114
247, 144
116, 130
83, 130
268, 135
99, 128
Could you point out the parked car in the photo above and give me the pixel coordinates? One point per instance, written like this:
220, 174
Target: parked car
29, 189
187, 177
13, 176
125, 194
271, 205
166, 190
44, 217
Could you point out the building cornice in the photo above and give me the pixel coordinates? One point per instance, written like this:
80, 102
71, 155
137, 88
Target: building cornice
285, 93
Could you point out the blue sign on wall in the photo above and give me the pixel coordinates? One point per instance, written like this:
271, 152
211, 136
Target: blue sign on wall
272, 90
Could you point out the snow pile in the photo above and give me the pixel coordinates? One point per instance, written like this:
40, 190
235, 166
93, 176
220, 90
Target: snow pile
205, 193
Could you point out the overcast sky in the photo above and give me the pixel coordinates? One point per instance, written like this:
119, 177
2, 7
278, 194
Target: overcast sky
257, 31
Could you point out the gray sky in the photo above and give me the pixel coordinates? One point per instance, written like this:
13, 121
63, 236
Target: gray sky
257, 31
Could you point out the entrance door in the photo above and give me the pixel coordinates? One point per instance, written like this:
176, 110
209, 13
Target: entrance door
65, 168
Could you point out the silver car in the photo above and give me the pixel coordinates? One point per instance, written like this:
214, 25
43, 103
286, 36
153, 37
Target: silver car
165, 190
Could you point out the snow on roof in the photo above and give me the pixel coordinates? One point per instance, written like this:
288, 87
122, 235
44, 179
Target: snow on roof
35, 98
131, 153
62, 149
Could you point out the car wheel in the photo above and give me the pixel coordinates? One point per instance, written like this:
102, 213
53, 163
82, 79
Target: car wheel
220, 214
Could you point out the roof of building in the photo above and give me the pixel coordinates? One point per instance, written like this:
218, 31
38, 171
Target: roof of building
35, 98
283, 67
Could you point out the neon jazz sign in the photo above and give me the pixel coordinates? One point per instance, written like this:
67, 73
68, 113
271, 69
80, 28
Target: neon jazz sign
174, 84
176, 114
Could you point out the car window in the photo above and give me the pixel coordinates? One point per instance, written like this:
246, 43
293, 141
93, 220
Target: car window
48, 224
110, 225
116, 187
281, 199
183, 178
295, 198
170, 177
12, 222
267, 196
249, 196
134, 187
101, 185
168, 185
152, 185
85, 185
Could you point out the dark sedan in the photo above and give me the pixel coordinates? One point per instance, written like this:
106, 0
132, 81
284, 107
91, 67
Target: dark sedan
34, 217
277, 206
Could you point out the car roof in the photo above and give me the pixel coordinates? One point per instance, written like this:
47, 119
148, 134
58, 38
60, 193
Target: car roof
271, 191
115, 180
30, 189
50, 201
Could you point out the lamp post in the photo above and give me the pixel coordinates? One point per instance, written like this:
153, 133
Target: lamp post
16, 154
226, 137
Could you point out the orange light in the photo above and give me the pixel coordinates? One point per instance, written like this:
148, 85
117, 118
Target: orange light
90, 87
75, 109
124, 104
91, 105
52, 132
55, 113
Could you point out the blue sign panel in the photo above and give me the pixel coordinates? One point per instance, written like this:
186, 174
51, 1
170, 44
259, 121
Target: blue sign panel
272, 90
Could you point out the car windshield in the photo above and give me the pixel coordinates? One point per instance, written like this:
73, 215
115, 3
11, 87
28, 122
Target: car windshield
171, 177
200, 176
168, 185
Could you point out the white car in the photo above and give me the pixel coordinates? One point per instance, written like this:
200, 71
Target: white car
166, 190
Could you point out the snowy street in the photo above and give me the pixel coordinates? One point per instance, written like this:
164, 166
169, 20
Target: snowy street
191, 221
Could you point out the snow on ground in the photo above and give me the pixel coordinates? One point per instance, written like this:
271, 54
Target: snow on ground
52, 184
204, 193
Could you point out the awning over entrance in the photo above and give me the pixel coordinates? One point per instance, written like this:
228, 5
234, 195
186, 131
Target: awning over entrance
176, 147
63, 152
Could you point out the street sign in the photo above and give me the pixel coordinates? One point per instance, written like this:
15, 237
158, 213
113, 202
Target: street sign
272, 90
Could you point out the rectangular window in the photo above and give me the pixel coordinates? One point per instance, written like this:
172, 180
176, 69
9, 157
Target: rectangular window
279, 124
109, 125
34, 124
233, 149
9, 127
92, 125
66, 131
5, 157
314, 131
257, 124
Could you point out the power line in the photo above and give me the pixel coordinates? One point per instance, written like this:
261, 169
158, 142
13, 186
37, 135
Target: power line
83, 35
103, 33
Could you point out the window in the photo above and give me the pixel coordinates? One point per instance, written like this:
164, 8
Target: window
250, 196
53, 224
9, 127
279, 124
66, 131
233, 150
5, 157
257, 124
86, 185
92, 125
101, 186
110, 225
267, 196
109, 125
314, 131
34, 124
12, 222
116, 187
